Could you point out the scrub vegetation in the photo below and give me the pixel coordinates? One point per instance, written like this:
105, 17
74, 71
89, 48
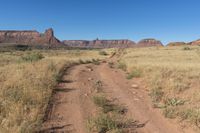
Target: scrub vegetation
27, 79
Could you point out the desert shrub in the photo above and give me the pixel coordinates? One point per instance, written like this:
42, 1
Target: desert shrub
32, 57
96, 61
108, 106
103, 53
193, 115
111, 64
170, 112
174, 102
100, 100
136, 73
98, 86
186, 48
170, 72
81, 61
26, 87
156, 94
111, 123
103, 123
122, 65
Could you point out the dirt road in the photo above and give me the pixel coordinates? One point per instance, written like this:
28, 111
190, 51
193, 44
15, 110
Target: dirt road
72, 105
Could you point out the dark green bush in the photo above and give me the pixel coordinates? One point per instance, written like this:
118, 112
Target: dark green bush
134, 74
186, 48
103, 53
32, 57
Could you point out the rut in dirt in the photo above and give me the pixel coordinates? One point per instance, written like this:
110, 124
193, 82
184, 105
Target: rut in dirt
72, 104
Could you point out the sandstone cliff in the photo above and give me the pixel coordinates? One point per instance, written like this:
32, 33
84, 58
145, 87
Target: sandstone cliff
176, 44
100, 43
149, 43
29, 37
197, 42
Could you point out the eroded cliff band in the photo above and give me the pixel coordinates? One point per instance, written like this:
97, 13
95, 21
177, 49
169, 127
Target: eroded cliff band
33, 37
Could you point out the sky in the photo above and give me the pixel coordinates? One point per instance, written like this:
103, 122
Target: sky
165, 20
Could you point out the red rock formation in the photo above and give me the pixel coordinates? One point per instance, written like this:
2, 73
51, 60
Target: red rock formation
100, 43
176, 44
197, 42
149, 43
29, 37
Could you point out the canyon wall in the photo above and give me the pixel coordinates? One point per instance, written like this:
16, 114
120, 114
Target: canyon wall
112, 43
29, 37
100, 43
149, 43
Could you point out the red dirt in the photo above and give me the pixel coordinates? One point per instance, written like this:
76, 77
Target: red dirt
72, 104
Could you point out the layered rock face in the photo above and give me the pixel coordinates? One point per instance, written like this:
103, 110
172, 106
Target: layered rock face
176, 44
29, 37
149, 43
197, 42
100, 43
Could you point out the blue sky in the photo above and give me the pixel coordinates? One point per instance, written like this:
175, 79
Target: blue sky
165, 20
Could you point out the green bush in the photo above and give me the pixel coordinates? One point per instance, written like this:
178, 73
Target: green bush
170, 112
100, 101
103, 53
32, 57
186, 48
134, 74
156, 94
122, 65
174, 102
96, 61
103, 123
111, 64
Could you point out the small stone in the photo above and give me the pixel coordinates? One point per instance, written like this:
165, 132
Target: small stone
89, 79
136, 99
90, 69
134, 86
134, 92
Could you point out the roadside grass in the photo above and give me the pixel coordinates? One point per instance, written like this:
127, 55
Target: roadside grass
169, 72
27, 79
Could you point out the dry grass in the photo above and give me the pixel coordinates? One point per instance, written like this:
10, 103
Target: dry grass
170, 72
26, 86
